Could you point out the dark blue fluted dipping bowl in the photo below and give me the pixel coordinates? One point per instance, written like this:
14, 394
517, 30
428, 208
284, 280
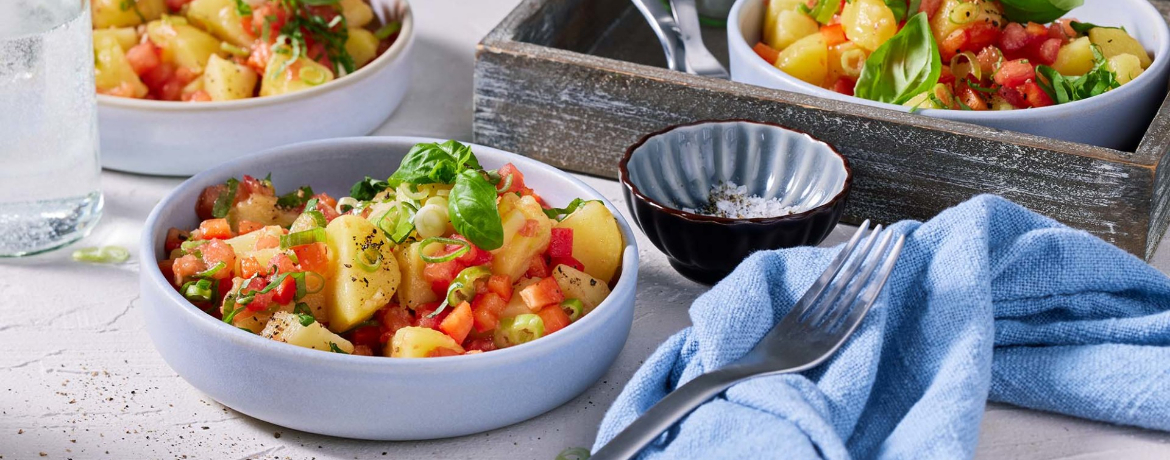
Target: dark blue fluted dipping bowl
677, 167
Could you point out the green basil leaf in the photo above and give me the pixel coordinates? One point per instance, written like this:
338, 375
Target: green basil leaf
226, 199
295, 198
900, 9
1083, 28
915, 5
1064, 89
473, 211
556, 213
1042, 11
366, 189
905, 65
434, 163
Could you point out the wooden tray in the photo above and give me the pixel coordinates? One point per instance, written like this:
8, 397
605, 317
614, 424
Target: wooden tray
575, 82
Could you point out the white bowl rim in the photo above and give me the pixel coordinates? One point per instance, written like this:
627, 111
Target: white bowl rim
405, 36
627, 181
147, 251
1162, 31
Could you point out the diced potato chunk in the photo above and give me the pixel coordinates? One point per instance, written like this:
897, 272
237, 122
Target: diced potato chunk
112, 72
597, 240
222, 19
807, 59
282, 76
576, 284
772, 15
183, 44
286, 327
362, 45
126, 37
421, 342
413, 290
1075, 58
986, 11
787, 27
517, 306
357, 13
514, 257
868, 23
246, 243
122, 13
1113, 42
225, 80
364, 275
261, 209
1126, 66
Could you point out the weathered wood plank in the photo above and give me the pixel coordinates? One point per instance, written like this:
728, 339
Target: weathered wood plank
580, 112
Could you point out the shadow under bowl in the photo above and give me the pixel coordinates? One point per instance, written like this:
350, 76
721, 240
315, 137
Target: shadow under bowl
676, 168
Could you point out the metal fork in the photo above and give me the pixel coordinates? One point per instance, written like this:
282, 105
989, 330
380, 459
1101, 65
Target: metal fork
810, 333
699, 60
663, 25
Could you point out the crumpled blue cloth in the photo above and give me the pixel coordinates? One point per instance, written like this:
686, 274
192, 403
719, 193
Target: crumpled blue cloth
988, 301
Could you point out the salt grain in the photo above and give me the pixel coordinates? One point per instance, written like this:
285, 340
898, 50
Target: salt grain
733, 201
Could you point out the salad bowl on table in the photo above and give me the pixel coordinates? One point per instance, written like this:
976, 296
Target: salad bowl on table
1115, 119
374, 397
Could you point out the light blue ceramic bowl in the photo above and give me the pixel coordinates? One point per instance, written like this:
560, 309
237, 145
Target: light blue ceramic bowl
374, 397
1117, 119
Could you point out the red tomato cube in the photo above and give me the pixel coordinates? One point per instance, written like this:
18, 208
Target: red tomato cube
545, 292
561, 243
1015, 73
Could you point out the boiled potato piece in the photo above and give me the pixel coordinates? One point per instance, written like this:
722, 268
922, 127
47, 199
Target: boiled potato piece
1113, 42
353, 292
985, 11
1075, 58
421, 342
516, 254
1126, 66
943, 98
772, 15
193, 87
282, 76
597, 240
183, 44
112, 72
225, 80
110, 13
246, 243
362, 45
807, 59
222, 19
286, 327
789, 26
261, 209
517, 306
413, 290
868, 23
576, 284
126, 37
356, 12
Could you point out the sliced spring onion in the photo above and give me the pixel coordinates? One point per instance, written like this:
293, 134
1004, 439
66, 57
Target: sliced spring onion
574, 308
302, 308
226, 199
398, 222
852, 62
519, 329
411, 191
190, 245
964, 13
334, 348
465, 246
292, 255
102, 255
369, 259
971, 67
312, 75
349, 201
233, 49
507, 184
310, 236
199, 291
306, 320
431, 220
462, 288
387, 30
336, 20
229, 309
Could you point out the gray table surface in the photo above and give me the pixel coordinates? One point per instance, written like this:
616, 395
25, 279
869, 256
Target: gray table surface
80, 379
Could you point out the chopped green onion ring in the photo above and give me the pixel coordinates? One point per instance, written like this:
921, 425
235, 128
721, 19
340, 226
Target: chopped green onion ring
102, 255
369, 259
440, 259
519, 329
462, 288
189, 246
507, 184
312, 75
210, 272
199, 291
387, 30
304, 237
574, 308
410, 191
234, 50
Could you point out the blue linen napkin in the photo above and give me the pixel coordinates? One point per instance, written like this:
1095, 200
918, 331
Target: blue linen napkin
988, 301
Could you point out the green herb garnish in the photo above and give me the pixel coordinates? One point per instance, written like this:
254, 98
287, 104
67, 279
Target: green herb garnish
295, 198
334, 348
1042, 11
1064, 89
561, 213
368, 188
473, 211
226, 199
905, 65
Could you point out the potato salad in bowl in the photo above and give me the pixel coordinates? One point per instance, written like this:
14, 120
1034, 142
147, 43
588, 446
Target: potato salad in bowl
442, 258
223, 50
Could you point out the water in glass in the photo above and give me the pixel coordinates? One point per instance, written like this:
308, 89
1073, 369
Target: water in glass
49, 167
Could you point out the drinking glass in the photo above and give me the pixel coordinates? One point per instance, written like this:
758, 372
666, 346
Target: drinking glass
49, 167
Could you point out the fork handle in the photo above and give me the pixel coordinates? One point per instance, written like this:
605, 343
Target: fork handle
661, 416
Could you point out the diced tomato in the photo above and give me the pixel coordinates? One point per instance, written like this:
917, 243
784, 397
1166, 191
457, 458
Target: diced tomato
206, 202
517, 178
844, 85
554, 318
567, 261
538, 267
486, 310
282, 263
930, 7
1045, 51
362, 350
272, 14
950, 45
1036, 31
159, 76
143, 57
215, 229
981, 35
1062, 29
247, 226
369, 336
501, 285
249, 267
1036, 96
946, 77
458, 323
545, 292
1015, 98
1014, 37
217, 251
561, 243
970, 97
185, 75
481, 344
167, 267
261, 54
253, 186
834, 35
441, 274
1015, 73
394, 317
175, 238
767, 53
259, 301
176, 5
185, 267
529, 229
285, 292
172, 90
313, 257
327, 205
989, 59
441, 352
474, 255
424, 311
